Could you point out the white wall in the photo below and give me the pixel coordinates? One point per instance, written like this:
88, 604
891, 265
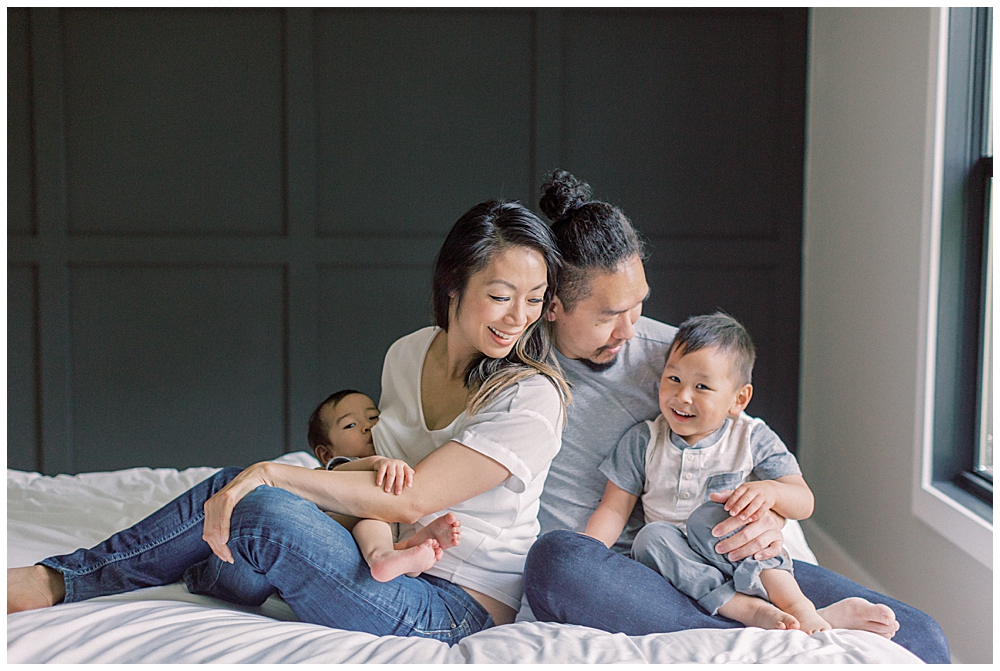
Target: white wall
866, 162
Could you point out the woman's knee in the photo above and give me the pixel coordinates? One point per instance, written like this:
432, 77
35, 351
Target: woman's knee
272, 507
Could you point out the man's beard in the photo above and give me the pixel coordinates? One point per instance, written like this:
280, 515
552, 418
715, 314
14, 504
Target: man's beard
599, 367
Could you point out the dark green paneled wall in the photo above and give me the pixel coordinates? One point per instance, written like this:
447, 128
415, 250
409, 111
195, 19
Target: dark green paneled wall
217, 217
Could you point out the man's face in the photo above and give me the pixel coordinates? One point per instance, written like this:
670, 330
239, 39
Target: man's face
597, 327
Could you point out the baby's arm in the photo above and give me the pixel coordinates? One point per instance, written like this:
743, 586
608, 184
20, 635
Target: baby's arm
789, 496
609, 519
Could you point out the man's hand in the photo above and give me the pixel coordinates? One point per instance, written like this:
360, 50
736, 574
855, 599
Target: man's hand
760, 538
219, 508
391, 472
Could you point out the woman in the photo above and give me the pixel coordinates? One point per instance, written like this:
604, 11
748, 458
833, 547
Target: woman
471, 403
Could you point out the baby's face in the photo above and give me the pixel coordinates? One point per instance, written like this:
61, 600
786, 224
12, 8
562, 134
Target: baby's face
350, 423
698, 391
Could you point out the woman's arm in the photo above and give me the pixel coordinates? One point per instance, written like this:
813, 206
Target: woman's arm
612, 514
449, 475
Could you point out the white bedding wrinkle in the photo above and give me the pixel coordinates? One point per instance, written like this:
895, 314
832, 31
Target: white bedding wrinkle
52, 515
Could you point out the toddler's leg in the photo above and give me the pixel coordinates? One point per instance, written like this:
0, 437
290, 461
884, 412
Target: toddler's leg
784, 592
374, 539
446, 530
662, 547
749, 605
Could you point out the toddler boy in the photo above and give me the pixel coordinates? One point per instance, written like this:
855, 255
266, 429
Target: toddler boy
692, 467
340, 433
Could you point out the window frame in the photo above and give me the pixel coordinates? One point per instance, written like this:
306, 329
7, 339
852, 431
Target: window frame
952, 286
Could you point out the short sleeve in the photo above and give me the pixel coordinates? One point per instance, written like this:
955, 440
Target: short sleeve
626, 465
771, 458
521, 429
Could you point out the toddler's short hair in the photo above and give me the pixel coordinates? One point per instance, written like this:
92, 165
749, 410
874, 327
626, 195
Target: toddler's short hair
319, 432
722, 331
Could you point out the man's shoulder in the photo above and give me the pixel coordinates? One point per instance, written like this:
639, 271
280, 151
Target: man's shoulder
654, 332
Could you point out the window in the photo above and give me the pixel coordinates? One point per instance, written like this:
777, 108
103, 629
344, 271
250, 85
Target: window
953, 475
963, 385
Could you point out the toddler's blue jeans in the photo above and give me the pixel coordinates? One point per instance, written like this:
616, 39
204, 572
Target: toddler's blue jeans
280, 543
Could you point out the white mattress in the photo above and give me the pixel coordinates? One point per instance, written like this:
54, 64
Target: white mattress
55, 515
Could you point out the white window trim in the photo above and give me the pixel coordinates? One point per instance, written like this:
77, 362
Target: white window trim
962, 527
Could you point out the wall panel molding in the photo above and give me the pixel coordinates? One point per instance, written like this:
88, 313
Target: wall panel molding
331, 150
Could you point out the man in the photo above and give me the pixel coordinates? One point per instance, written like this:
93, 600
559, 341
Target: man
613, 358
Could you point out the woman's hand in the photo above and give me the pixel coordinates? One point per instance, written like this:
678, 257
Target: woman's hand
219, 508
389, 472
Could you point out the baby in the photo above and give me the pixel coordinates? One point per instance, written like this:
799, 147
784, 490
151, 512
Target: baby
340, 433
692, 465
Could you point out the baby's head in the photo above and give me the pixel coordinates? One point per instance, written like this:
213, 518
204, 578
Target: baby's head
341, 426
707, 376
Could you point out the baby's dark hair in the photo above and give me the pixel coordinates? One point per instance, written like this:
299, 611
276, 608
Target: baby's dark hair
722, 331
318, 433
591, 234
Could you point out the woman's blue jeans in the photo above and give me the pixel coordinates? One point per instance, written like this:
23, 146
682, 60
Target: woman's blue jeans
569, 577
280, 543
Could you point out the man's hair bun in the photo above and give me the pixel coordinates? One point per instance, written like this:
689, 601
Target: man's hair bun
562, 193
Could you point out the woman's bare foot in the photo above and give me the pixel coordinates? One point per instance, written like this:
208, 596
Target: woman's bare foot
32, 587
412, 561
857, 613
446, 530
755, 612
805, 612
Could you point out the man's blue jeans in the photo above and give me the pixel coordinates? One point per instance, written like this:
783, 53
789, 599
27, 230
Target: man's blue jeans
280, 543
569, 577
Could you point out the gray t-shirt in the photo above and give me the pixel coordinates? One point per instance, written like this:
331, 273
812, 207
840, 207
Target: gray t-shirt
605, 405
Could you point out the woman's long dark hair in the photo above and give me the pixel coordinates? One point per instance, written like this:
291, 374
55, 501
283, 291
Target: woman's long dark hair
476, 238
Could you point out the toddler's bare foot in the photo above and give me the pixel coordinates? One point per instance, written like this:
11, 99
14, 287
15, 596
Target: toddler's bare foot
754, 612
412, 561
809, 620
446, 530
32, 587
857, 613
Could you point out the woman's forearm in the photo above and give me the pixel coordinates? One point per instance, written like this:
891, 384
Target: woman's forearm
447, 476
347, 492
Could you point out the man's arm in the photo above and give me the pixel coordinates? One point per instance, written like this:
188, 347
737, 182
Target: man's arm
760, 539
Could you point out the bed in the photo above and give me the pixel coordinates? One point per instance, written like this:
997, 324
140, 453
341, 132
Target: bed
53, 515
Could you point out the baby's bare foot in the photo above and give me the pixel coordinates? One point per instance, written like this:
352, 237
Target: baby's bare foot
32, 587
412, 561
755, 612
857, 613
809, 620
446, 530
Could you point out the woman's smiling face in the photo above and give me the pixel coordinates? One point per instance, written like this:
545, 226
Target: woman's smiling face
499, 303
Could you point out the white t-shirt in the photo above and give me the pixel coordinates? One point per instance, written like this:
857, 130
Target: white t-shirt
520, 429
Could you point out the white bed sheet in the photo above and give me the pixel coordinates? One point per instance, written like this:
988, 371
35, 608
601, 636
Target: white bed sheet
54, 515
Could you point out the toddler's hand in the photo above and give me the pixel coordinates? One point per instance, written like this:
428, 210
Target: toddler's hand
751, 500
392, 474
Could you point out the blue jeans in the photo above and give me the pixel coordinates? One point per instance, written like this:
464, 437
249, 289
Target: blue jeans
280, 543
569, 577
